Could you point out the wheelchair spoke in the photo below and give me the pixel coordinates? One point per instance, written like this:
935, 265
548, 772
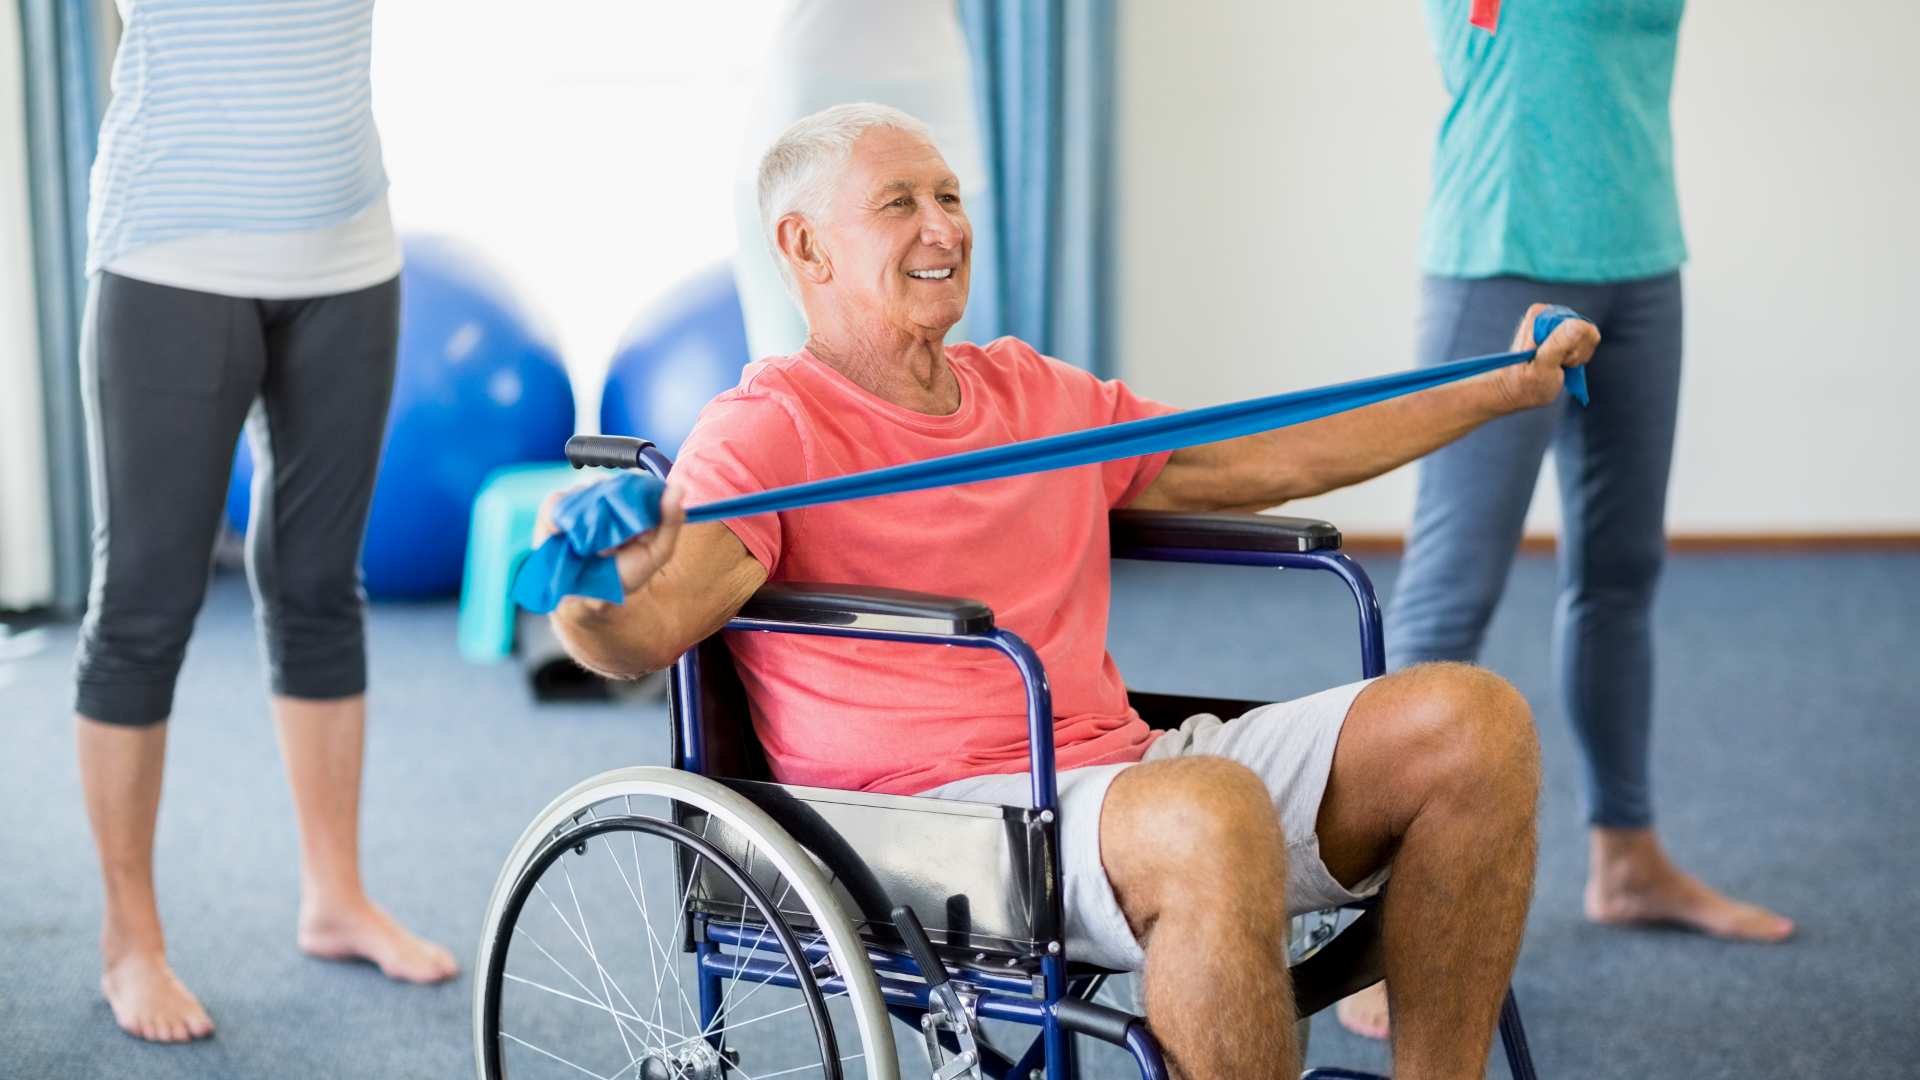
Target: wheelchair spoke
596, 1006
664, 955
731, 1028
564, 970
758, 985
726, 1007
557, 1057
680, 931
640, 901
589, 1002
689, 1014
607, 985
568, 972
583, 943
761, 937
656, 952
757, 1019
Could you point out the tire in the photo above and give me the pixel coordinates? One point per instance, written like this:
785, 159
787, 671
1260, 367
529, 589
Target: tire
590, 955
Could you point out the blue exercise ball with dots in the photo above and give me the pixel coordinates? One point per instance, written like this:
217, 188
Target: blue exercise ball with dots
479, 385
677, 356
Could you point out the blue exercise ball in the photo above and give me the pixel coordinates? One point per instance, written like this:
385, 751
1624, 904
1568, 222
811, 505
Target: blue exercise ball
479, 385
240, 487
677, 356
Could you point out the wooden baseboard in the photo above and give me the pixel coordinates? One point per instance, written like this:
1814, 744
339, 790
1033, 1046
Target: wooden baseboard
1785, 543
1695, 543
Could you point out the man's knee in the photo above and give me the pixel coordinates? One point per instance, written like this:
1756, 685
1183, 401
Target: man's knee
1198, 824
1462, 728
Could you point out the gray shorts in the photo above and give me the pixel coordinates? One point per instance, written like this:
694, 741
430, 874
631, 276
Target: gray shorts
1290, 745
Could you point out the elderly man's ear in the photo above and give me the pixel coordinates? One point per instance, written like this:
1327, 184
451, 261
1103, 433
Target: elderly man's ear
800, 244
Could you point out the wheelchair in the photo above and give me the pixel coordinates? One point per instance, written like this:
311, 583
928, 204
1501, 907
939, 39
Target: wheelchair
701, 922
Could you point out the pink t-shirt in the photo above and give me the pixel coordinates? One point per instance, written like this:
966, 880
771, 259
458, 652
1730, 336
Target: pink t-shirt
900, 718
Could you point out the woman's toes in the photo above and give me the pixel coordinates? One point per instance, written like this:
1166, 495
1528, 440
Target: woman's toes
150, 1002
369, 933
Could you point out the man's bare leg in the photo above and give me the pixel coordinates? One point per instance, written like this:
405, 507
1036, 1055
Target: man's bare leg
322, 742
1194, 852
1437, 769
120, 772
1631, 880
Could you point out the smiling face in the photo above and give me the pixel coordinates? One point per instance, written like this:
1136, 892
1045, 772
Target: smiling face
897, 243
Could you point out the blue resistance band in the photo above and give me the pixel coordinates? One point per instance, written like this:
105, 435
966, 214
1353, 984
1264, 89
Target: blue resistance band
601, 516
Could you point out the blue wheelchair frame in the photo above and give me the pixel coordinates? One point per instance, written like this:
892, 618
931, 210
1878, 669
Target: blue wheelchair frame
1061, 1009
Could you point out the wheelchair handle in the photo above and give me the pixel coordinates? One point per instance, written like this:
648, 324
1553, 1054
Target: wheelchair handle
915, 935
605, 451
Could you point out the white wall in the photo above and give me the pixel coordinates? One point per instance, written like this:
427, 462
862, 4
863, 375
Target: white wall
1274, 166
26, 545
587, 147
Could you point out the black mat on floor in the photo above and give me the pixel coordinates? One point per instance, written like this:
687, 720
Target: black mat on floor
1787, 743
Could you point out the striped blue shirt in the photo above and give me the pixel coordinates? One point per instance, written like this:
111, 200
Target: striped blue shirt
235, 116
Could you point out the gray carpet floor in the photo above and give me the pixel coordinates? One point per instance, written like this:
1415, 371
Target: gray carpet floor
1787, 746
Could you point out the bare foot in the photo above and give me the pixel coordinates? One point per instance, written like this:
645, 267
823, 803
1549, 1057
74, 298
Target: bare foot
363, 931
1365, 1013
149, 1001
1631, 880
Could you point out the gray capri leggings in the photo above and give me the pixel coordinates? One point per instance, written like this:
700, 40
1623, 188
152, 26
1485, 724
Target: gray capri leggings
170, 376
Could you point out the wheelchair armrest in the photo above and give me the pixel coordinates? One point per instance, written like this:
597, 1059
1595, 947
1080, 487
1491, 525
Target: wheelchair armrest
1219, 531
867, 607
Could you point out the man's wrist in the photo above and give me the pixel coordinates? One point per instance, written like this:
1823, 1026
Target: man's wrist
1504, 393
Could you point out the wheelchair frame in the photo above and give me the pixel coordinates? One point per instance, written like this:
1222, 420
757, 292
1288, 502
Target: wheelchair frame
1035, 986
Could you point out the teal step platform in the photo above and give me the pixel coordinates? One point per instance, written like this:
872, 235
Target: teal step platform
501, 536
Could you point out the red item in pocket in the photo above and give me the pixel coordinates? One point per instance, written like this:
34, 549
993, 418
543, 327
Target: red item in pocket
1485, 14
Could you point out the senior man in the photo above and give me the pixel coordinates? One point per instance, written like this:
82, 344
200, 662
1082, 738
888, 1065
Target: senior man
1185, 854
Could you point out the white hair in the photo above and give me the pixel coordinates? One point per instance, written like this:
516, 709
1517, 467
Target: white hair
804, 165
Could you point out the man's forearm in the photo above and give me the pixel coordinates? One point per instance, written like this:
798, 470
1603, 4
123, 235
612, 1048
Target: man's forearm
686, 601
1328, 454
1273, 467
611, 639
1267, 469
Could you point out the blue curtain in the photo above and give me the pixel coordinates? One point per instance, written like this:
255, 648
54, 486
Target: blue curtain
1043, 72
65, 89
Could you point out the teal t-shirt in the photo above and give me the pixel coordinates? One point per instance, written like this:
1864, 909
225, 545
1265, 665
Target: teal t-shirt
1556, 160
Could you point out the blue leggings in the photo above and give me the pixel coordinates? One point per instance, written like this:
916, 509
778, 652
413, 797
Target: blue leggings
1612, 458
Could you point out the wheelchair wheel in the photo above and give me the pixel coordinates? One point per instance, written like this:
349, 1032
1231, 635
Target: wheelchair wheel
654, 925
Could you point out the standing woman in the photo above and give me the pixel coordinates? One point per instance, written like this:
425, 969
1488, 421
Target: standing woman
244, 271
1553, 182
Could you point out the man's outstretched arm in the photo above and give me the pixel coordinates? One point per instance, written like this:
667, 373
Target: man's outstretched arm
1258, 471
682, 583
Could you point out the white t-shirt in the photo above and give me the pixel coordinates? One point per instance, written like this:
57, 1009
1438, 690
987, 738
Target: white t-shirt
273, 265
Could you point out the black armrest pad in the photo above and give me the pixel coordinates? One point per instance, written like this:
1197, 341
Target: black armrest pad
1219, 531
866, 607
